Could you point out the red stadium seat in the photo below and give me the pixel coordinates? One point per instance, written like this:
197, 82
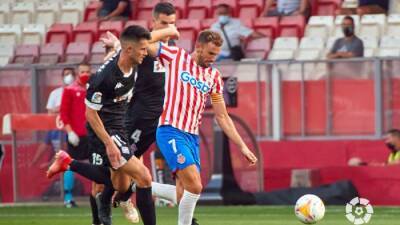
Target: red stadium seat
145, 8
51, 53
115, 27
250, 8
77, 52
59, 33
206, 23
231, 3
198, 9
326, 7
97, 53
185, 44
267, 26
86, 32
188, 28
180, 7
258, 48
292, 26
90, 11
142, 23
26, 54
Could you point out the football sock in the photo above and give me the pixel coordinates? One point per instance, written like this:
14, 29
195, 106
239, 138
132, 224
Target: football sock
68, 185
95, 214
98, 174
127, 195
164, 191
186, 208
145, 204
106, 194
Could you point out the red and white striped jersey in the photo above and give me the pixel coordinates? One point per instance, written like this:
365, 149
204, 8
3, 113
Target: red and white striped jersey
187, 87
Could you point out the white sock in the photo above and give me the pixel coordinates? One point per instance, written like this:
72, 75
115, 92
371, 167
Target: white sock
164, 191
186, 208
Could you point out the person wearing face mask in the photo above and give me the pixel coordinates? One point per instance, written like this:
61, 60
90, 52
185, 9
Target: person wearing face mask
233, 32
350, 45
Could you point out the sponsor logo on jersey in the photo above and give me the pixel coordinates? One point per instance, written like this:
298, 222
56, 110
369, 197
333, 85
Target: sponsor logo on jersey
119, 85
200, 85
158, 67
127, 96
96, 98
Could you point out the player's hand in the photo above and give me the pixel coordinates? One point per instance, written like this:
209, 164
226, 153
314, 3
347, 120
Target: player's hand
110, 40
114, 155
249, 155
73, 138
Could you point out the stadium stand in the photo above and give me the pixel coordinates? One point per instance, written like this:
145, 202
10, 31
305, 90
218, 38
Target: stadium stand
4, 12
72, 12
26, 54
231, 3
97, 53
250, 8
320, 26
145, 8
267, 26
86, 32
199, 9
33, 34
292, 26
188, 28
284, 48
373, 25
22, 12
10, 34
143, 23
77, 52
6, 52
51, 53
47, 12
61, 33
114, 27
258, 48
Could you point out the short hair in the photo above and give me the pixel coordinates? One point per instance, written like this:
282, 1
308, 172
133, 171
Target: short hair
207, 36
84, 63
223, 5
68, 68
394, 132
163, 8
349, 18
134, 33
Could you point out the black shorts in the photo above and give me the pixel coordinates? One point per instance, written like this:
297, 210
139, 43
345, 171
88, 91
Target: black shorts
142, 133
80, 152
98, 149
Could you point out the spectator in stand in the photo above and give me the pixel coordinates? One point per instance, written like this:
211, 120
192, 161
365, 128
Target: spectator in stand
367, 7
114, 10
286, 8
350, 45
233, 32
392, 142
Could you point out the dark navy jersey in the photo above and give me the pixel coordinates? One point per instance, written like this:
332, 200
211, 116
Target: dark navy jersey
109, 92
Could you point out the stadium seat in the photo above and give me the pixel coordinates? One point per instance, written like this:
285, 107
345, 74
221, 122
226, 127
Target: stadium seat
308, 54
188, 28
71, 12
390, 42
292, 26
47, 12
337, 32
185, 44
33, 34
115, 27
10, 34
145, 8
250, 8
393, 25
258, 48
143, 23
90, 11
369, 41
330, 42
369, 52
60, 33
312, 43
388, 52
206, 23
22, 13
51, 53
6, 52
4, 12
286, 43
373, 24
281, 54
326, 7
267, 26
86, 32
319, 26
26, 54
198, 9
180, 7
77, 52
97, 53
231, 3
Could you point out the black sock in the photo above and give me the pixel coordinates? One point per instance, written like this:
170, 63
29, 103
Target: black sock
98, 174
106, 194
95, 214
127, 195
145, 204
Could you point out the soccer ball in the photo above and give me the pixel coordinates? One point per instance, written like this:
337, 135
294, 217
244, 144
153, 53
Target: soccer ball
309, 209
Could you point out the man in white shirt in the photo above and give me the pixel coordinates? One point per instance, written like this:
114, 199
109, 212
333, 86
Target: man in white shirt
54, 100
286, 8
234, 30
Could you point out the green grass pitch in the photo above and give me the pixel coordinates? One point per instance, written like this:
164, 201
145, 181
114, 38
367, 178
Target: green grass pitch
207, 215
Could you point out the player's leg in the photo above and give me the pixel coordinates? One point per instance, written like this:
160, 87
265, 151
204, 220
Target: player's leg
68, 188
96, 188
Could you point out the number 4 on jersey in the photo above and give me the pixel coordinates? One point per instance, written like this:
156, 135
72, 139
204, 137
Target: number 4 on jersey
136, 135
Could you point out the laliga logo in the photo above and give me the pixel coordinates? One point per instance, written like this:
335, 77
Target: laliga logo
203, 87
359, 211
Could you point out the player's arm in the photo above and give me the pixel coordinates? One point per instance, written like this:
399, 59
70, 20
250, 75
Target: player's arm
226, 123
65, 115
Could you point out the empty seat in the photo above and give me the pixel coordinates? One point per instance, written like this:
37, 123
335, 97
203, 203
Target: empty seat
338, 25
286, 43
281, 54
114, 27
390, 42
369, 52
312, 43
97, 53
6, 52
145, 8
71, 12
51, 53
33, 34
22, 13
85, 32
10, 34
292, 26
4, 12
60, 33
143, 23
26, 54
180, 7
393, 25
46, 12
188, 28
319, 26
90, 11
77, 52
198, 9
267, 26
250, 8
326, 7
388, 52
373, 24
369, 41
231, 3
258, 48
308, 54
185, 44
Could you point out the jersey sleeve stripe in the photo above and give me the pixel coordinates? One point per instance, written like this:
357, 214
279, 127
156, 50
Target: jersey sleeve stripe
92, 105
174, 91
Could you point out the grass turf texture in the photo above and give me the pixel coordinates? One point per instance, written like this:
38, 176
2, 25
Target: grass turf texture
235, 215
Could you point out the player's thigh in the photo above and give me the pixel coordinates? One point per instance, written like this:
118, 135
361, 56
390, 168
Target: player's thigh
190, 179
138, 171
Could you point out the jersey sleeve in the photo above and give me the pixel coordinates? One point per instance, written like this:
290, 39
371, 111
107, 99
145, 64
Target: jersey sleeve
94, 92
66, 105
166, 54
218, 86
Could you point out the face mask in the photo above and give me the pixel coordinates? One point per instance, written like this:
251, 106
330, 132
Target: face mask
348, 31
391, 146
68, 79
223, 19
83, 78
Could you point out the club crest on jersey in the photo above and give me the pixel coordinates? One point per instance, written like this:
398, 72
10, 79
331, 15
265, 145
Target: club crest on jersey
188, 78
181, 159
96, 98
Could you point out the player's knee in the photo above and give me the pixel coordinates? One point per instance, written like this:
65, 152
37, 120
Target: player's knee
144, 179
195, 188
